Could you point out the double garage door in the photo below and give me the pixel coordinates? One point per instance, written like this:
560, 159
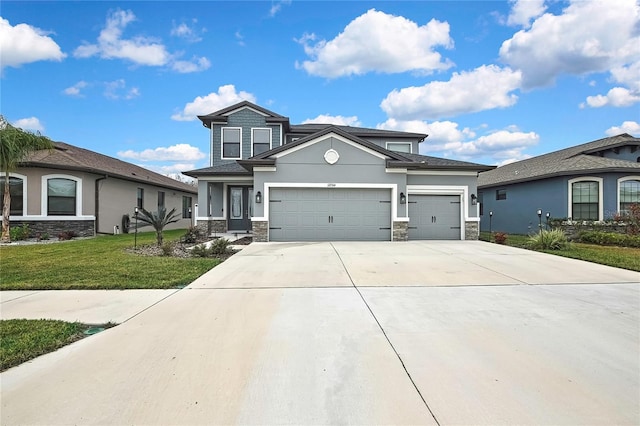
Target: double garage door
329, 214
356, 214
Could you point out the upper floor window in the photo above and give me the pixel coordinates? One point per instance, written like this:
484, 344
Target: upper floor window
140, 200
260, 141
61, 197
585, 199
16, 188
399, 147
160, 200
501, 194
629, 193
231, 143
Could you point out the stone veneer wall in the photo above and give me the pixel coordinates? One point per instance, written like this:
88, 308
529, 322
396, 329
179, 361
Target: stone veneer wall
82, 228
400, 231
209, 227
260, 231
471, 231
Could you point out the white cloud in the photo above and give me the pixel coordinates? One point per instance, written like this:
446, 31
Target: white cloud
212, 102
440, 133
486, 87
240, 38
523, 11
30, 123
587, 37
378, 42
139, 50
196, 65
334, 119
184, 31
617, 97
179, 152
631, 127
276, 6
76, 89
117, 89
23, 44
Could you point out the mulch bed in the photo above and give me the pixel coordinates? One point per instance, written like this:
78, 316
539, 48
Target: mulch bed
180, 250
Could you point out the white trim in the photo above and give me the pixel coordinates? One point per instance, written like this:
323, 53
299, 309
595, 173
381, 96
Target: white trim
386, 145
403, 171
281, 135
45, 218
325, 137
459, 190
442, 173
620, 180
264, 169
225, 179
226, 114
222, 144
207, 218
260, 128
570, 182
44, 193
211, 142
25, 197
391, 186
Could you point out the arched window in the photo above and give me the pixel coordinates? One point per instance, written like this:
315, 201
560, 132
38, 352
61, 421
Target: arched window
61, 197
628, 193
16, 190
585, 198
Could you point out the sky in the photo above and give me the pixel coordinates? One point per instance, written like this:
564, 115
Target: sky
490, 82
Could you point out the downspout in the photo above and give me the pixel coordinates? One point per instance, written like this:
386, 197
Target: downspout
97, 201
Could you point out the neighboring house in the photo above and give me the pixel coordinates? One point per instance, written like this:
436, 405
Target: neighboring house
589, 182
74, 189
318, 182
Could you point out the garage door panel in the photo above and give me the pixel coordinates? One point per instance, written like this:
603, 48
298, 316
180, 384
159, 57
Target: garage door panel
434, 217
329, 214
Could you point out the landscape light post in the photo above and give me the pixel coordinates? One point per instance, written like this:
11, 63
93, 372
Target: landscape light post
548, 217
490, 219
540, 220
135, 232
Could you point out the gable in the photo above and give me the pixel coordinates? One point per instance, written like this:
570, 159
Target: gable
315, 150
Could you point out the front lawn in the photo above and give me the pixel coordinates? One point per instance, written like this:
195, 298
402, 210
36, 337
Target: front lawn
97, 263
619, 257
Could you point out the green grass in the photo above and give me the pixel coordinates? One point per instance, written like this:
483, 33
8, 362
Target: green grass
96, 263
619, 257
22, 340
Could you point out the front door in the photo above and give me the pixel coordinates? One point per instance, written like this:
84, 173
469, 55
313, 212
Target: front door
240, 208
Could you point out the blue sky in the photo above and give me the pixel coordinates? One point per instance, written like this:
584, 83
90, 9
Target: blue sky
490, 82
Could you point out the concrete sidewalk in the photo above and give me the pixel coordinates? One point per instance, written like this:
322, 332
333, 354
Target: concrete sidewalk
359, 333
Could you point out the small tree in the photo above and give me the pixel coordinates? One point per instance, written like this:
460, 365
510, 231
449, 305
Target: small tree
158, 220
15, 146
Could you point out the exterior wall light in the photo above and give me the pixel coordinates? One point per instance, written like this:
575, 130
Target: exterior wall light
474, 199
258, 197
403, 198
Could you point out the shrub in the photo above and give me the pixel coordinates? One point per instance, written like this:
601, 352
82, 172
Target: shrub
216, 248
609, 239
192, 235
67, 235
632, 218
554, 239
19, 233
167, 249
500, 238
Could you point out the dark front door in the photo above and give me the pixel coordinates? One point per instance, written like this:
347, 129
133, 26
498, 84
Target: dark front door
240, 208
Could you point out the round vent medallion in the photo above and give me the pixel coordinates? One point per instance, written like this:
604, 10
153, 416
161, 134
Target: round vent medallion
331, 156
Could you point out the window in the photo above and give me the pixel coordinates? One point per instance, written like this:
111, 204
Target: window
231, 141
629, 193
260, 140
399, 146
501, 194
61, 197
160, 200
584, 200
186, 207
140, 202
16, 186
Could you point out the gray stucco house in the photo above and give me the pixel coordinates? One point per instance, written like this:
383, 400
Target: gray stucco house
74, 189
318, 182
589, 182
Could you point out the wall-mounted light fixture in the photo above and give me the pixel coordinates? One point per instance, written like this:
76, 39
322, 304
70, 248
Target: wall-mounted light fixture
258, 197
474, 199
403, 198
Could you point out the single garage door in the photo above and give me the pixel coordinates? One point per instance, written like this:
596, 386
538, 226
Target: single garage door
434, 217
329, 214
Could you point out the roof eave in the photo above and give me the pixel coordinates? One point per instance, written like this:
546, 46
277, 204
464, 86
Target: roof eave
561, 174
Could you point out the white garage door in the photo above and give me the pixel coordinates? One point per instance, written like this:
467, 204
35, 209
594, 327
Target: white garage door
434, 217
329, 214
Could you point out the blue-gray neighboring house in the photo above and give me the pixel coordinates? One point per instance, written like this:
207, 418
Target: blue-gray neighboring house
589, 182
320, 182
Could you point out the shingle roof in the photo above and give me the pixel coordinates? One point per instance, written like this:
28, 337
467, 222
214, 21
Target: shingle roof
356, 131
425, 161
69, 157
223, 169
221, 115
577, 159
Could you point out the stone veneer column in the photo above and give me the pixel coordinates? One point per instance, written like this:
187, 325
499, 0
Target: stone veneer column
471, 231
400, 231
260, 231
209, 227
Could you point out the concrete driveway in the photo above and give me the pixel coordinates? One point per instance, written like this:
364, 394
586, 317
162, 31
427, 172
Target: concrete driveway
358, 333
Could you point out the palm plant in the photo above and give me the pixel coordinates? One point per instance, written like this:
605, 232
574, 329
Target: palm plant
15, 146
158, 220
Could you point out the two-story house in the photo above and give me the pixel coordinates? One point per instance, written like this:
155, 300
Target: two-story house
318, 182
